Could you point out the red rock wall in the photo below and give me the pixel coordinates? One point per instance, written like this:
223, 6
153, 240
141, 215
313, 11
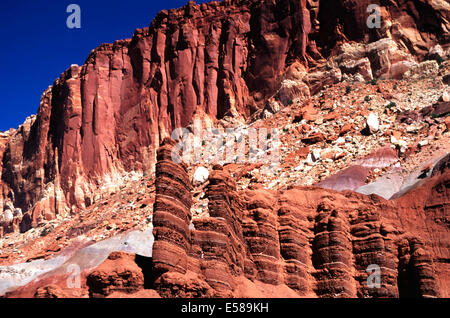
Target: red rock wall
319, 243
300, 242
109, 115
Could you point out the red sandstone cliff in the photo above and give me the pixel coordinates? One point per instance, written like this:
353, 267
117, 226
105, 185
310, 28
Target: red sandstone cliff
317, 242
297, 242
105, 119
107, 116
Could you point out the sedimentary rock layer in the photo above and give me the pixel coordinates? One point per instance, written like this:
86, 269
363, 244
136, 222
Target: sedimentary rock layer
319, 243
297, 242
108, 116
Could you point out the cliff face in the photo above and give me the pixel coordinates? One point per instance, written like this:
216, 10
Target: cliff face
106, 118
297, 242
317, 242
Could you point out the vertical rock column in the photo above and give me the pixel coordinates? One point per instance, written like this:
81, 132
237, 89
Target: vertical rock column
373, 246
261, 234
295, 248
224, 201
217, 240
332, 253
171, 216
416, 277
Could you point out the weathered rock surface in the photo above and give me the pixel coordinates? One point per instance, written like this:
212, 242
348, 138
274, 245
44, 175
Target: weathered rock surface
105, 118
316, 242
100, 124
119, 273
298, 242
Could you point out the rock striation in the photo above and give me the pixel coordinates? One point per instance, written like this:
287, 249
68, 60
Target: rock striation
106, 118
295, 242
108, 121
317, 242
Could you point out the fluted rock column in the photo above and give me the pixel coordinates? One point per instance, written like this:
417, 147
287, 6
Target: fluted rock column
171, 214
294, 233
416, 273
261, 234
332, 253
373, 245
218, 238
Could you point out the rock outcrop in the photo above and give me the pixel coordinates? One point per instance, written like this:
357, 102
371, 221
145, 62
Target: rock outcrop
317, 242
119, 273
296, 242
101, 120
108, 121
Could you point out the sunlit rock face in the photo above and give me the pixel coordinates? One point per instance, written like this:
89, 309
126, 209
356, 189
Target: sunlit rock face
101, 122
298, 242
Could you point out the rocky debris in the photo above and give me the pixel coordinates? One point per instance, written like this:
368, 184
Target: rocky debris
292, 92
440, 109
201, 175
244, 230
380, 59
255, 61
7, 217
373, 124
422, 70
445, 97
313, 139
436, 53
342, 141
313, 157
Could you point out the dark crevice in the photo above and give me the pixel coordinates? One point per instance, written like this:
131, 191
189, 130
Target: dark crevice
146, 264
408, 281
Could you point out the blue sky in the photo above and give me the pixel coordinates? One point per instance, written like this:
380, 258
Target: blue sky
36, 45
